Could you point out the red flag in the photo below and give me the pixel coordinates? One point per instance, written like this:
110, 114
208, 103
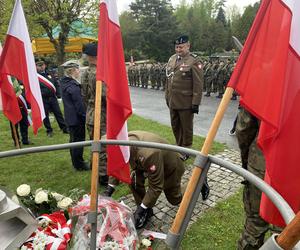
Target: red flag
111, 70
267, 77
17, 60
8, 100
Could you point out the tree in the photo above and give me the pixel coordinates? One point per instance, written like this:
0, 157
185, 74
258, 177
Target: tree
158, 27
50, 14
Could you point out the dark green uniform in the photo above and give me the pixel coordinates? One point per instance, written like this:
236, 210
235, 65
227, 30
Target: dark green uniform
163, 169
89, 94
183, 90
253, 160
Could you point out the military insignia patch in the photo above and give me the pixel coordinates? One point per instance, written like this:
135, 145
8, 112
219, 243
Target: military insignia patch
152, 168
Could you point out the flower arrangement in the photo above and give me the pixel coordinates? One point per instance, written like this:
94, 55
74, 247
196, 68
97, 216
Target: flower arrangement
115, 227
44, 201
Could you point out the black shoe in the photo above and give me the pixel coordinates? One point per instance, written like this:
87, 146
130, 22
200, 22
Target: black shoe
108, 191
50, 134
233, 98
184, 157
66, 131
142, 221
27, 143
219, 96
205, 191
84, 167
103, 180
207, 94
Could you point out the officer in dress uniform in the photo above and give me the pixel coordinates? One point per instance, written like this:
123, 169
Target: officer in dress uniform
50, 100
183, 91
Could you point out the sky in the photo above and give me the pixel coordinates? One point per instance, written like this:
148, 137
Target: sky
123, 4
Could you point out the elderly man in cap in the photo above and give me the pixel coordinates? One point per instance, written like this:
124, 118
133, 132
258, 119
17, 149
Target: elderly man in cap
88, 81
74, 110
49, 99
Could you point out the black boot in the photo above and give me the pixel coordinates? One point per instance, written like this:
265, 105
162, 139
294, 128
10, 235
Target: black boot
108, 191
205, 190
103, 180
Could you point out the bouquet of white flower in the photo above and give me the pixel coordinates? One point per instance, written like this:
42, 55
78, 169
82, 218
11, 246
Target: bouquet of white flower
45, 201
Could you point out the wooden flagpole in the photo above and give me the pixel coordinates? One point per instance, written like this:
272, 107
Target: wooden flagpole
197, 170
290, 236
15, 135
95, 156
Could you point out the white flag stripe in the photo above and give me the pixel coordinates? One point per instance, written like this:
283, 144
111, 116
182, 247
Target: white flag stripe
123, 135
18, 29
112, 10
294, 7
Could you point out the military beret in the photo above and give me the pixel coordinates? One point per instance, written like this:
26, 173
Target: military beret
90, 49
71, 64
181, 40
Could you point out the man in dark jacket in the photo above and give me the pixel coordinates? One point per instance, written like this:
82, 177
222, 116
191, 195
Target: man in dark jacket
74, 111
50, 102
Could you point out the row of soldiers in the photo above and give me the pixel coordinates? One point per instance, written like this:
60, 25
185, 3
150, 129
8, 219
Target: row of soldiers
147, 76
216, 76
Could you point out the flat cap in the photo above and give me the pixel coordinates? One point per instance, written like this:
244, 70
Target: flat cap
181, 40
71, 64
90, 49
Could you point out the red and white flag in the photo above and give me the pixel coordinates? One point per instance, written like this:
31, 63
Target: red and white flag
111, 69
267, 76
17, 60
8, 100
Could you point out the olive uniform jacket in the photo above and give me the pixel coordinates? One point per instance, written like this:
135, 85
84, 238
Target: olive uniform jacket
163, 169
185, 82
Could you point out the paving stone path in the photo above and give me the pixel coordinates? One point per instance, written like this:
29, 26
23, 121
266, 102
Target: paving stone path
223, 183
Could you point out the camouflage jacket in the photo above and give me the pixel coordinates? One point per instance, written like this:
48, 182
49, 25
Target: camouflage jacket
88, 82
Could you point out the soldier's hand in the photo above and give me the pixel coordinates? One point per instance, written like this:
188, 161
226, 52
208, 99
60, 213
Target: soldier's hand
195, 109
141, 216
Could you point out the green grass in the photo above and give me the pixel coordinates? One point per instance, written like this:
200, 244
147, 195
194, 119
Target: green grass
219, 228
54, 169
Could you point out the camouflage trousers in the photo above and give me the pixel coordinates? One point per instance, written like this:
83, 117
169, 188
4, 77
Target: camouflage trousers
102, 155
255, 227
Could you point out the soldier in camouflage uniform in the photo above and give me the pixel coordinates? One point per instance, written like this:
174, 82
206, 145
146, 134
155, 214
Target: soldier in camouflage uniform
208, 74
130, 75
144, 76
163, 76
158, 76
253, 160
88, 81
151, 74
220, 79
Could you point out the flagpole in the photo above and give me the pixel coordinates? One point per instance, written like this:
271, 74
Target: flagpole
290, 236
15, 135
95, 166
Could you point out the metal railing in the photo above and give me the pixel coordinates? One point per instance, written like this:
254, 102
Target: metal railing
174, 240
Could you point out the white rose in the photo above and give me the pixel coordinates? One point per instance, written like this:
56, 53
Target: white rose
40, 197
23, 190
57, 196
146, 242
65, 203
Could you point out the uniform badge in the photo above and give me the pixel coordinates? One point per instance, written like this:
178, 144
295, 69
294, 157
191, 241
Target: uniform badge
152, 168
200, 66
